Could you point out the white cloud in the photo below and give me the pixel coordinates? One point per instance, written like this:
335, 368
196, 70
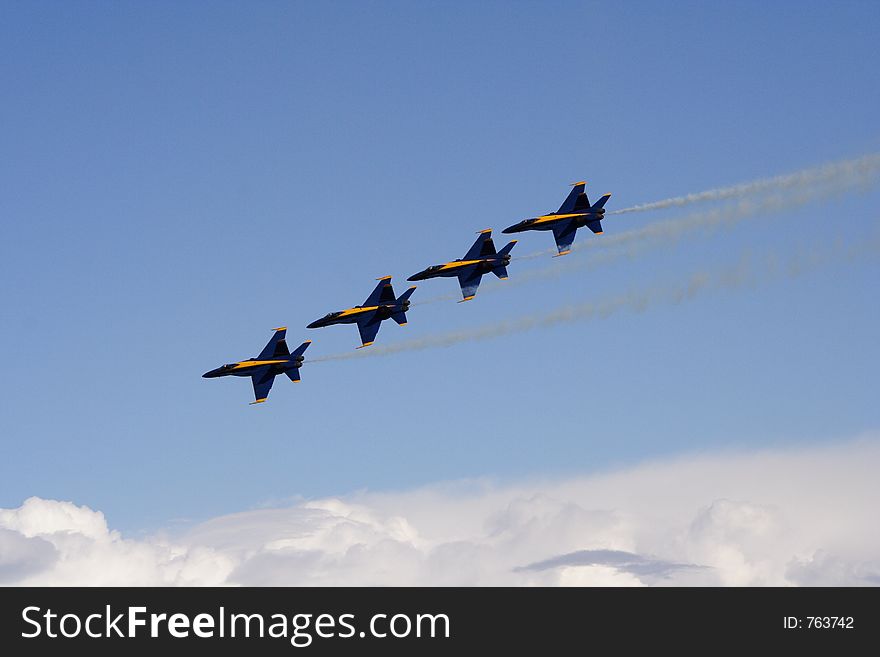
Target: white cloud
776, 517
21, 556
85, 551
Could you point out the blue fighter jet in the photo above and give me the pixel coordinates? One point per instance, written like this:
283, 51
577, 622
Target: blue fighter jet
480, 259
379, 306
275, 359
574, 213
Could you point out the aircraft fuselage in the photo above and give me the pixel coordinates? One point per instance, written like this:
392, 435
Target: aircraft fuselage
454, 268
549, 221
358, 313
247, 367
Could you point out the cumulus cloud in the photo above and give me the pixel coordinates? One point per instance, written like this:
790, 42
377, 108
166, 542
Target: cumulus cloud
21, 556
823, 569
795, 516
75, 547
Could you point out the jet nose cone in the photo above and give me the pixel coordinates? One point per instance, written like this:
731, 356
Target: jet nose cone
210, 374
315, 324
416, 277
509, 230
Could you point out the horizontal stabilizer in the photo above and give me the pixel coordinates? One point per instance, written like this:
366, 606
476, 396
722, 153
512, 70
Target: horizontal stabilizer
293, 374
500, 272
399, 317
595, 226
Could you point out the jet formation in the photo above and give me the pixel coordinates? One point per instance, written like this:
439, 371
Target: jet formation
482, 258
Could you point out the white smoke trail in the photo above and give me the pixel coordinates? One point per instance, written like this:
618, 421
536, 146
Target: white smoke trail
705, 221
628, 244
844, 170
748, 271
781, 193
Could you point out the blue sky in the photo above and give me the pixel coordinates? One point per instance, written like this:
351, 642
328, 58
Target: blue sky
179, 178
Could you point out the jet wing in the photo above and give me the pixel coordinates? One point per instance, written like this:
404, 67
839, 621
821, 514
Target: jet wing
469, 282
276, 347
484, 246
262, 379
368, 329
564, 235
383, 293
571, 200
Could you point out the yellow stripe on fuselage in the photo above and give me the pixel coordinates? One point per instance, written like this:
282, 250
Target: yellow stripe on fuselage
355, 311
456, 265
256, 363
553, 217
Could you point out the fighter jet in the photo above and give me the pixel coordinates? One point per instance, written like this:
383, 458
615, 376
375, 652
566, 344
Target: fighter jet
380, 305
574, 213
275, 359
480, 259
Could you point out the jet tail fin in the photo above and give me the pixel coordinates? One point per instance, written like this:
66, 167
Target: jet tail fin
598, 205
300, 350
507, 248
406, 295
